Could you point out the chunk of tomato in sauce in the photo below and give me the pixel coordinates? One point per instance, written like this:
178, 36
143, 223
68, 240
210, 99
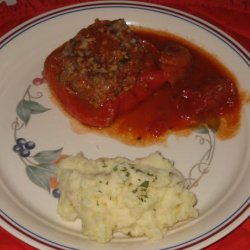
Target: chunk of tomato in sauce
201, 92
216, 95
175, 61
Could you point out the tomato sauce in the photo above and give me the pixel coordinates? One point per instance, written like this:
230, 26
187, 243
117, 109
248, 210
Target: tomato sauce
160, 114
207, 95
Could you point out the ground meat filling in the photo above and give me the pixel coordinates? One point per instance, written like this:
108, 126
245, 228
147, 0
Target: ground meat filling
102, 61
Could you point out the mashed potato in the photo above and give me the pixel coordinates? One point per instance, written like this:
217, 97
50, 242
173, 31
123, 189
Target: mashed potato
144, 197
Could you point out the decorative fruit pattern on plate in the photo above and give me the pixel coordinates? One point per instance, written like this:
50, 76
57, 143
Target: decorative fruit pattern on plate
40, 167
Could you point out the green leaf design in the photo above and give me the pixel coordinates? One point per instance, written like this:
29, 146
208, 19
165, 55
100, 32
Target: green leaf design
50, 168
35, 107
40, 176
26, 108
47, 156
202, 130
23, 111
145, 184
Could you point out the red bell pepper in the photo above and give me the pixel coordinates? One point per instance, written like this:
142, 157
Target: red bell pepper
147, 82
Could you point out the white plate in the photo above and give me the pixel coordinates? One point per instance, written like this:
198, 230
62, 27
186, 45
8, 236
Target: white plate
29, 212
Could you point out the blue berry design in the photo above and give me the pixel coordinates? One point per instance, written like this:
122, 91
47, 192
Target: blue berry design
30, 145
17, 148
56, 193
25, 153
20, 141
23, 147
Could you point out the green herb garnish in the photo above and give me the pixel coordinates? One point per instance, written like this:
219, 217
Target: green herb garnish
144, 184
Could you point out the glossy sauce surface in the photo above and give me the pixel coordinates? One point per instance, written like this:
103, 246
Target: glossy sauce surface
207, 95
166, 111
